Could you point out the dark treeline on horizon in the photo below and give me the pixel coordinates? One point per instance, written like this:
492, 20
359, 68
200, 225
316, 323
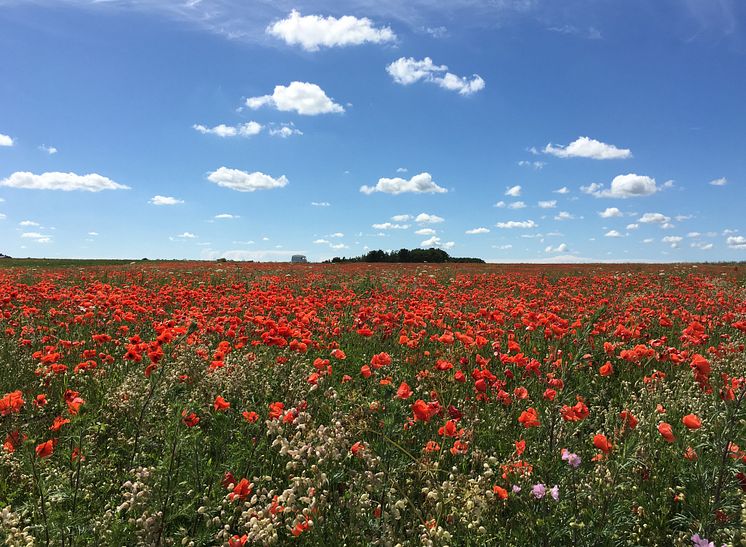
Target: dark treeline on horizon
431, 255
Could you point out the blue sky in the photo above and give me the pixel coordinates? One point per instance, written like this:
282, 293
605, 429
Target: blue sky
603, 130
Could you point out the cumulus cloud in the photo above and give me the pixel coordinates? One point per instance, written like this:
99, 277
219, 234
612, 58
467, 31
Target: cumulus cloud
613, 233
226, 216
672, 239
561, 248
652, 218
474, 231
390, 226
28, 223
321, 204
401, 218
500, 204
247, 129
408, 70
311, 32
48, 149
701, 245
584, 147
165, 200
549, 204
517, 224
564, 215
633, 226
304, 98
284, 131
425, 232
235, 179
187, 235
610, 212
513, 191
623, 186
722, 181
736, 242
6, 140
435, 242
418, 184
425, 218
563, 190
37, 237
517, 205
92, 182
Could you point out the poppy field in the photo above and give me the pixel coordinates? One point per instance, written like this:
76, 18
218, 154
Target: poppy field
254, 404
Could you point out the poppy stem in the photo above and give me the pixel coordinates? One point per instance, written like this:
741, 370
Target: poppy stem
41, 496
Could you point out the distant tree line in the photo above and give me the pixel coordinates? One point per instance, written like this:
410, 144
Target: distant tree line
431, 255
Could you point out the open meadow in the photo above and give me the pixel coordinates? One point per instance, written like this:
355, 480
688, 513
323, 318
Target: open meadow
186, 403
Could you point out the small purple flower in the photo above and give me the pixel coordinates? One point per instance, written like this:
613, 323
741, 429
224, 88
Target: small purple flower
701, 542
516, 488
571, 458
555, 492
538, 491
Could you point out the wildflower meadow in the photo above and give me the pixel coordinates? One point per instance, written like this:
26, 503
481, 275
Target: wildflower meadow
178, 403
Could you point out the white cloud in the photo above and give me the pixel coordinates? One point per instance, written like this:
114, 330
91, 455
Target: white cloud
517, 224
584, 147
435, 242
401, 218
247, 129
390, 226
633, 226
672, 239
503, 247
3, 216
304, 98
226, 216
513, 191
517, 205
321, 204
28, 223
36, 236
418, 184
535, 164
425, 232
652, 218
561, 248
682, 218
336, 234
92, 182
401, 169
187, 235
500, 204
736, 242
6, 140
321, 241
722, 181
425, 218
564, 215
48, 149
701, 245
94, 234
474, 231
648, 240
563, 190
313, 31
610, 212
623, 186
549, 204
408, 70
284, 131
235, 179
613, 233
165, 200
